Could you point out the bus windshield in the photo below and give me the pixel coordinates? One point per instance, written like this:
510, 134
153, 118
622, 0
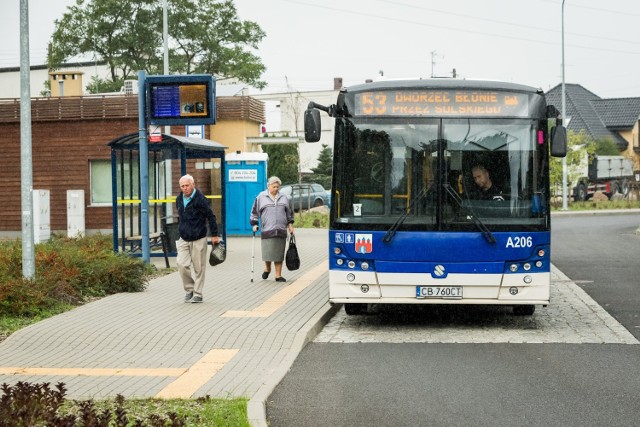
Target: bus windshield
440, 173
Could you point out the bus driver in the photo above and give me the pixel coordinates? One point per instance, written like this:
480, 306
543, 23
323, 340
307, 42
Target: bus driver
485, 188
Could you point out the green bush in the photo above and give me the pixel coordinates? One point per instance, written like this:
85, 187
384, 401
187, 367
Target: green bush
309, 219
67, 271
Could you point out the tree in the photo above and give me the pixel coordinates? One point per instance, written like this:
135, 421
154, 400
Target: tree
210, 39
283, 161
205, 36
606, 147
322, 172
579, 148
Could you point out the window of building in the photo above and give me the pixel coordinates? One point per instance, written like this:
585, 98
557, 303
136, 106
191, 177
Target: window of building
100, 181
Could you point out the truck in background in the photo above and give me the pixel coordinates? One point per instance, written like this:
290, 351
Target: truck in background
608, 174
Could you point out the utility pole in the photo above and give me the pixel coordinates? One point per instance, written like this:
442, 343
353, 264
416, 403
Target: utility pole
564, 159
168, 178
26, 166
434, 54
433, 62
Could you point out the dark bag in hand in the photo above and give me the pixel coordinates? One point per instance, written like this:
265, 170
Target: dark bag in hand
291, 257
218, 254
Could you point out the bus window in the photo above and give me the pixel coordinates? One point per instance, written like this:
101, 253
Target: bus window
387, 170
507, 151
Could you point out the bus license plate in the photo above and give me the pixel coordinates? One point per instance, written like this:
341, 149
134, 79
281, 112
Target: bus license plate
438, 291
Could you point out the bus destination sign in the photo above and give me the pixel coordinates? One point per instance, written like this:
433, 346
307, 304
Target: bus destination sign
437, 103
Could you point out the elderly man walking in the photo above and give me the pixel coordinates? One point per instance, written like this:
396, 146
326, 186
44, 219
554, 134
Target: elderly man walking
195, 214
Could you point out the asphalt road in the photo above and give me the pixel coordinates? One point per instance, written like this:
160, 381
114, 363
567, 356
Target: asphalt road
601, 253
453, 368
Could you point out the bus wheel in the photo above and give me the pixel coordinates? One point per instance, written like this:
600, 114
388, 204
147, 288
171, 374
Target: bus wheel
354, 309
524, 310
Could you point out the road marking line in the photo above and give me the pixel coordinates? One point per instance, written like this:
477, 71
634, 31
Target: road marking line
197, 375
94, 372
278, 300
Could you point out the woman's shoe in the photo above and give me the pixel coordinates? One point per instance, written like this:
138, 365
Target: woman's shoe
280, 279
265, 274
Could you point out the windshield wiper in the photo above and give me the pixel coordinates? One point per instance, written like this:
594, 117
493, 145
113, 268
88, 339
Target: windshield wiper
470, 215
392, 231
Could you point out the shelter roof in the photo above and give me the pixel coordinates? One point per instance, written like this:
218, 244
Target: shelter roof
193, 147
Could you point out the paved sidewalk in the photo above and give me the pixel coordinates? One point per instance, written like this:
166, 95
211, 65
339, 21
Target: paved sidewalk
239, 343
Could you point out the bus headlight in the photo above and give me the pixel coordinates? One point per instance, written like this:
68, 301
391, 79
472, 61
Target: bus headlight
538, 264
339, 261
351, 264
351, 277
513, 268
526, 266
337, 250
527, 279
364, 265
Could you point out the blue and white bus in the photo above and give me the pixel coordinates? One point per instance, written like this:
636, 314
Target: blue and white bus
408, 224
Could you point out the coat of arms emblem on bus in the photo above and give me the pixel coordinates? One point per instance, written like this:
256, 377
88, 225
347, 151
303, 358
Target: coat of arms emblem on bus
363, 243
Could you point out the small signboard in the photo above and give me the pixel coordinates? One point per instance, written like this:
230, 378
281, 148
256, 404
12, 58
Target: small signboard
243, 175
181, 99
194, 131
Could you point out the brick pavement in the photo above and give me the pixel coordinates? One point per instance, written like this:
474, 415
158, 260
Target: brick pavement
239, 343
573, 317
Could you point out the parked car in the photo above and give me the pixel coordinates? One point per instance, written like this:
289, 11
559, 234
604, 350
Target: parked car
306, 196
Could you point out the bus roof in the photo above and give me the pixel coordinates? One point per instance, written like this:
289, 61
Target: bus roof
441, 84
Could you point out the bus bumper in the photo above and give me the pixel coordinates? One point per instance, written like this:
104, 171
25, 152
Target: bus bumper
401, 288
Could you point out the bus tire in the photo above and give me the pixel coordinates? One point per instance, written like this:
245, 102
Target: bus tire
524, 310
355, 309
581, 193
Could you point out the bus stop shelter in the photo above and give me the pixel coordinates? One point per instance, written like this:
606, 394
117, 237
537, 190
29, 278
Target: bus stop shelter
202, 158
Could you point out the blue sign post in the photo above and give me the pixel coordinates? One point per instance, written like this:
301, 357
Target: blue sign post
144, 168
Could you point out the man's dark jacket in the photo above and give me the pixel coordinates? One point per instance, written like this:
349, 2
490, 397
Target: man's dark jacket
194, 217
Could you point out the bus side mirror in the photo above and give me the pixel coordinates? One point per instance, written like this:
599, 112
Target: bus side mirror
558, 141
312, 125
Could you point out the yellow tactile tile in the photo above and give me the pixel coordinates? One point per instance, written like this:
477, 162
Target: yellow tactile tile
278, 300
93, 372
197, 375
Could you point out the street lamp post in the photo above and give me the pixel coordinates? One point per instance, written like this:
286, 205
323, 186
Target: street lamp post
564, 159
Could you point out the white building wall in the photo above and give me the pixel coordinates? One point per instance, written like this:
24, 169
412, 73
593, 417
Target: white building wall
292, 106
10, 79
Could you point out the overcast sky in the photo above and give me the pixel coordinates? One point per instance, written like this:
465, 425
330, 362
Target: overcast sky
309, 42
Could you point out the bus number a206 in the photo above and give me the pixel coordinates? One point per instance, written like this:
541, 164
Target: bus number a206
519, 242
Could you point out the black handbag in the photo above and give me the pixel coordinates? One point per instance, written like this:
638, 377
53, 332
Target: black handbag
218, 254
291, 257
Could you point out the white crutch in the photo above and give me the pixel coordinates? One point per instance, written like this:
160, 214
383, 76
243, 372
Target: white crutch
253, 253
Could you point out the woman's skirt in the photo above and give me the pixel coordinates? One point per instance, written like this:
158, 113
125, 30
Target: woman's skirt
273, 249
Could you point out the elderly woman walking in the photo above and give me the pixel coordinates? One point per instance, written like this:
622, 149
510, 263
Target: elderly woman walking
272, 210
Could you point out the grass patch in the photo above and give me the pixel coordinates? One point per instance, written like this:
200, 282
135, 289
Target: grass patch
193, 412
27, 404
311, 219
